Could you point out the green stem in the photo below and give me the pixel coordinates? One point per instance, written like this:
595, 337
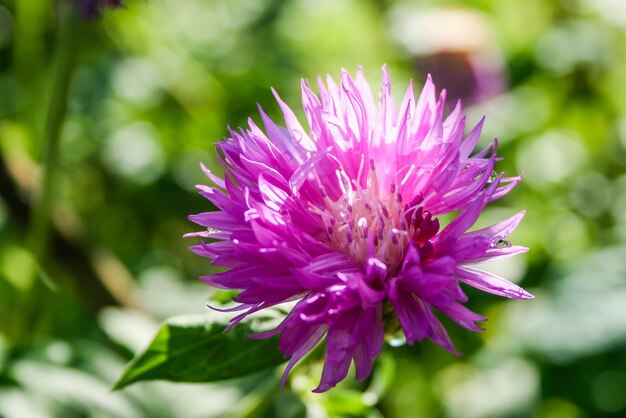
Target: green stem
30, 26
33, 303
258, 401
38, 234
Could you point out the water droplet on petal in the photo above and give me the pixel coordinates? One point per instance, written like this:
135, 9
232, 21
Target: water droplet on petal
492, 177
478, 175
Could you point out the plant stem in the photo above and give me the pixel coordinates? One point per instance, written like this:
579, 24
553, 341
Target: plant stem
258, 401
28, 52
38, 234
33, 303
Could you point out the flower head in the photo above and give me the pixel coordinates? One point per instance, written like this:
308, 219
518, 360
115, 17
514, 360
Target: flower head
341, 218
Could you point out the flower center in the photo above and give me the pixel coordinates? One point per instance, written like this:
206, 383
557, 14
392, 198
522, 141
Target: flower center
372, 222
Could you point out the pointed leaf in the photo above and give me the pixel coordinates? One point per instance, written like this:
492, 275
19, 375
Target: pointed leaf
193, 349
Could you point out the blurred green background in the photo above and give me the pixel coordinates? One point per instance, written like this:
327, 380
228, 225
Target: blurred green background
151, 86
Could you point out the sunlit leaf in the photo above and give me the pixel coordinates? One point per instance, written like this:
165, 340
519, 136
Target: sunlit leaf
191, 349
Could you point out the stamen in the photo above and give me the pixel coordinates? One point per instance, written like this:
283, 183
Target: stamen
361, 166
349, 219
372, 178
385, 211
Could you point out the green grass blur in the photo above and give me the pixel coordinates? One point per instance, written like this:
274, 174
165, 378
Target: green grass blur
154, 84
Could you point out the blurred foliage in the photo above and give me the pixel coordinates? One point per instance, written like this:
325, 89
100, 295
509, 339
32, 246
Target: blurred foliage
154, 84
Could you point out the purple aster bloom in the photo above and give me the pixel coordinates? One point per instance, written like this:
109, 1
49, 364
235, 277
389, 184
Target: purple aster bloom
91, 9
341, 219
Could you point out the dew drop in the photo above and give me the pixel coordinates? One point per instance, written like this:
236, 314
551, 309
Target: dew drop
397, 342
478, 175
492, 177
503, 243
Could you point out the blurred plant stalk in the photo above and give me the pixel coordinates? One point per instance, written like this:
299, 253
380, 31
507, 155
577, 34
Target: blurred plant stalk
65, 258
67, 44
54, 91
29, 60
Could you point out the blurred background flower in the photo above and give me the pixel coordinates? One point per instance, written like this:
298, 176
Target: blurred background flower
91, 9
457, 46
154, 85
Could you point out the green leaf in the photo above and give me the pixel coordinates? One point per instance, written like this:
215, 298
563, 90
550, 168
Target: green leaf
192, 349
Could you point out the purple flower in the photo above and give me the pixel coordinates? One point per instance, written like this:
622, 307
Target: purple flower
340, 218
91, 9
